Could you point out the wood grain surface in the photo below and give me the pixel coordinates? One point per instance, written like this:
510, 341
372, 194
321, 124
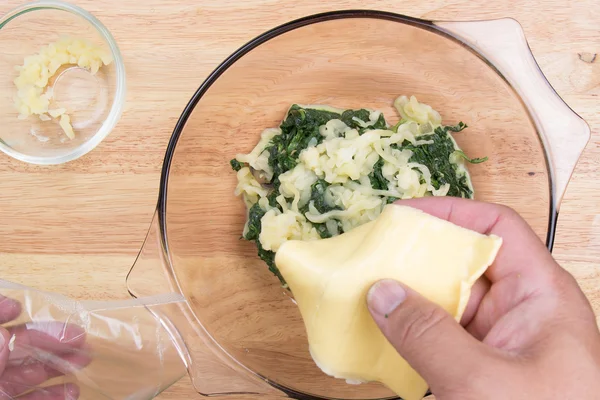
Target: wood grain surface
77, 228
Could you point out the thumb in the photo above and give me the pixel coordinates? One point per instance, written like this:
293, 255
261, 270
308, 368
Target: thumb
425, 335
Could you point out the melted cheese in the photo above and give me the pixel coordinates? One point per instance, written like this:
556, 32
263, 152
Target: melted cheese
330, 279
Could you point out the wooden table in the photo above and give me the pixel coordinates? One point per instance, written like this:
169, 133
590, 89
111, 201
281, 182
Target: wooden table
76, 228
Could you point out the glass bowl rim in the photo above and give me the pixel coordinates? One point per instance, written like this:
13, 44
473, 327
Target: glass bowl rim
118, 102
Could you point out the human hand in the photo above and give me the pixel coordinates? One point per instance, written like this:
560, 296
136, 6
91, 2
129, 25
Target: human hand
38, 352
529, 332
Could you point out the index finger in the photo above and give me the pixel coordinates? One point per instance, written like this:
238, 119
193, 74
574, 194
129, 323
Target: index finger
9, 309
522, 251
51, 336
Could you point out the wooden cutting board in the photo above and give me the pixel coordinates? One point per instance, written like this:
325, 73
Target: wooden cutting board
76, 228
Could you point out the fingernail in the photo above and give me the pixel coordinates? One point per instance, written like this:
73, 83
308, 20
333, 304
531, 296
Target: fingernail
385, 296
71, 391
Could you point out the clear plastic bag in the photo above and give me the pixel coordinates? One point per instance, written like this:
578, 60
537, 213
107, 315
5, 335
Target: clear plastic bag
59, 348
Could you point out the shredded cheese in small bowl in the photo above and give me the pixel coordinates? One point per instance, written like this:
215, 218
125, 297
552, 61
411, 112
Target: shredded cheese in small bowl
62, 83
36, 77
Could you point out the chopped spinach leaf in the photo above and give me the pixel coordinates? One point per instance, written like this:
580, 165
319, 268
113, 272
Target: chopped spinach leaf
349, 117
456, 128
317, 196
272, 197
279, 161
255, 214
268, 257
376, 177
391, 199
300, 126
436, 156
461, 154
236, 165
254, 226
323, 231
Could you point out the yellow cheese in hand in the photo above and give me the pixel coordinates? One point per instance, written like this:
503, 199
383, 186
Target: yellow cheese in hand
330, 279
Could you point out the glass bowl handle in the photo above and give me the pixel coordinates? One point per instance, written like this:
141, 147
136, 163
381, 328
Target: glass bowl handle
564, 133
212, 371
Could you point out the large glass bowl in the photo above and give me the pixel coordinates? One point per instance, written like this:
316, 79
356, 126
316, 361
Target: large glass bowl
241, 332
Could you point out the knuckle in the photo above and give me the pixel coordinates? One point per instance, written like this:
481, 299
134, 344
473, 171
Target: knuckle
558, 280
421, 324
508, 212
564, 284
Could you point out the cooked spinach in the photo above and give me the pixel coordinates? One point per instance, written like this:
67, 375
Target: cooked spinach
378, 181
268, 257
322, 230
436, 157
462, 154
456, 128
349, 117
300, 129
272, 197
255, 215
300, 126
279, 160
236, 165
317, 196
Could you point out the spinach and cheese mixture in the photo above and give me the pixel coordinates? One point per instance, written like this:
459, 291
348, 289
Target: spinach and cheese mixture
325, 171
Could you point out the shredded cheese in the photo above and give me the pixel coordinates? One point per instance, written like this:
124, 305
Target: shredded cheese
279, 227
32, 97
296, 184
249, 187
421, 113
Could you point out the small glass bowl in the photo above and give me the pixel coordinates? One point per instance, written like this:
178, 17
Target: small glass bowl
94, 102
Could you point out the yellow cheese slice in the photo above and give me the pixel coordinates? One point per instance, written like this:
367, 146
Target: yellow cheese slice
330, 279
